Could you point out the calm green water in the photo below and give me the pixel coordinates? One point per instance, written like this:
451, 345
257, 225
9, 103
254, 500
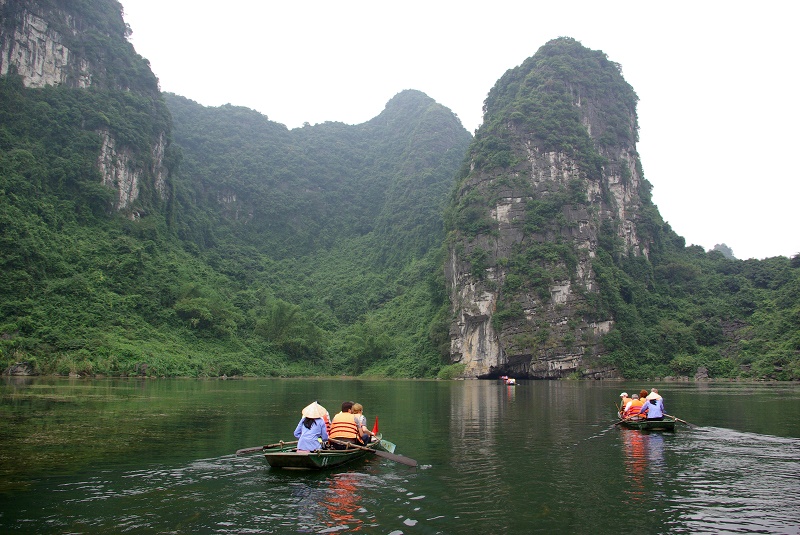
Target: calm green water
156, 456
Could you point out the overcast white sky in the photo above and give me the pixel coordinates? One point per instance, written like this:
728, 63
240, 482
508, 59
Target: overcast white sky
718, 111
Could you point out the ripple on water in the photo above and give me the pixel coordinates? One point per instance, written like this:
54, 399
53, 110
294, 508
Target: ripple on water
738, 483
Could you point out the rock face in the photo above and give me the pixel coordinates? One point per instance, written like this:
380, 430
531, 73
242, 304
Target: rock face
120, 171
553, 187
37, 51
76, 47
20, 369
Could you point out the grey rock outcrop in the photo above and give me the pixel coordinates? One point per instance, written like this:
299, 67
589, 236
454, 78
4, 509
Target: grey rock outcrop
524, 286
47, 45
37, 51
20, 369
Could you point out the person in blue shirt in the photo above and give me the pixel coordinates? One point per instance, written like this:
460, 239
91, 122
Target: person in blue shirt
311, 431
654, 406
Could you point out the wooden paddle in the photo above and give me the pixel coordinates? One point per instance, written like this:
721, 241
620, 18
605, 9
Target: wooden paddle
623, 420
681, 421
396, 458
260, 448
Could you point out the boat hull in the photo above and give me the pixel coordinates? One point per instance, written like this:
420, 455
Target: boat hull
667, 424
288, 458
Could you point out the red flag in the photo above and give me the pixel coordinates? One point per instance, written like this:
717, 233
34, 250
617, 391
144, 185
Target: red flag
375, 427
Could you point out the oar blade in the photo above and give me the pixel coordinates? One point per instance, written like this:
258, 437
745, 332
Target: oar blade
681, 421
244, 451
388, 446
396, 458
385, 454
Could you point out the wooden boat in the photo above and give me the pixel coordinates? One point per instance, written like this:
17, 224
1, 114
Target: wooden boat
643, 424
288, 458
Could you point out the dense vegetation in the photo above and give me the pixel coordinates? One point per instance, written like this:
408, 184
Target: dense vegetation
685, 308
318, 250
280, 252
677, 311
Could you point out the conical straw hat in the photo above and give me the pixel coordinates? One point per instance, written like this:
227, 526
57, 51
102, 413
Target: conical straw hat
315, 410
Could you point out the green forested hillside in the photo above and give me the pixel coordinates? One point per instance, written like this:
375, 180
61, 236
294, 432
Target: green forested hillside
675, 309
686, 308
280, 252
341, 224
319, 250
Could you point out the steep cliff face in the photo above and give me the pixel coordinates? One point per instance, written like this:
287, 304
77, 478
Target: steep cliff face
124, 175
80, 45
551, 192
38, 52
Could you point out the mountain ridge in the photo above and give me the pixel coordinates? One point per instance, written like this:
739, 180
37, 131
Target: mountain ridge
144, 234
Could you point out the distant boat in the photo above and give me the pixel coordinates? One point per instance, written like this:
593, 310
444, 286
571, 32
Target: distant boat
288, 458
643, 424
510, 381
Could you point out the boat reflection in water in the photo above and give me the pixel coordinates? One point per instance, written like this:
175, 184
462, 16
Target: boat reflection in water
644, 459
511, 391
341, 502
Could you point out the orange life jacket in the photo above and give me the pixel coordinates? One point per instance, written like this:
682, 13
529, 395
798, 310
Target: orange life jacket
344, 426
636, 406
327, 421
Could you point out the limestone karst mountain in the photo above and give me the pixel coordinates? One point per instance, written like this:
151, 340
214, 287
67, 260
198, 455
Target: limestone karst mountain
554, 189
146, 234
559, 264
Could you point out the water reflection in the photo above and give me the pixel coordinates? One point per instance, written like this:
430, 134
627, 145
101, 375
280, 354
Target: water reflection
341, 501
644, 458
154, 456
478, 430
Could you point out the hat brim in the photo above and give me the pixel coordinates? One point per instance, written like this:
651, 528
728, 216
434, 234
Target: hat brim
315, 410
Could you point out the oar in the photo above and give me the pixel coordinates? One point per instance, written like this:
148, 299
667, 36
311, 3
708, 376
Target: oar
397, 458
622, 420
388, 446
259, 448
681, 421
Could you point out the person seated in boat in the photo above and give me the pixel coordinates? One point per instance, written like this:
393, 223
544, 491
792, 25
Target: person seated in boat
361, 422
654, 407
653, 394
344, 428
625, 401
311, 432
633, 407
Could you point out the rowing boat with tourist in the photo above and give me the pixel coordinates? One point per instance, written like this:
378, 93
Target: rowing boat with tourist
645, 412
323, 442
288, 457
